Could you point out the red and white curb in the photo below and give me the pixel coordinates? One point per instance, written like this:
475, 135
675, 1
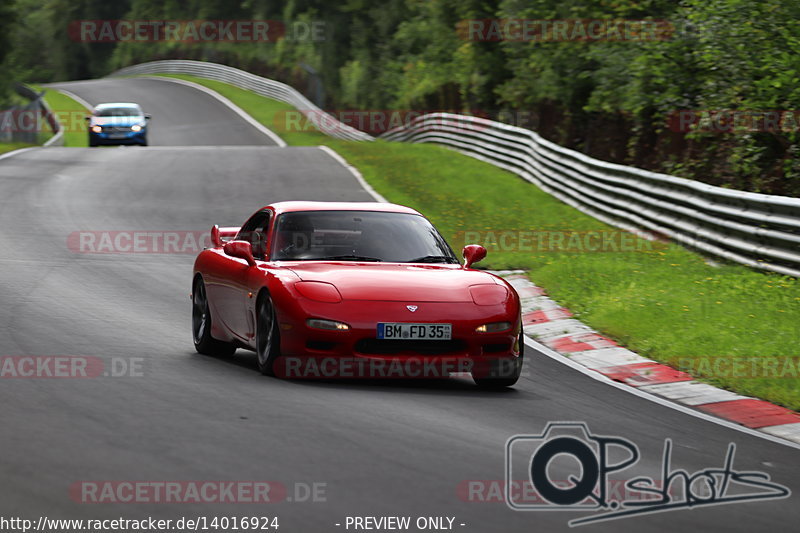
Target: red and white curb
545, 321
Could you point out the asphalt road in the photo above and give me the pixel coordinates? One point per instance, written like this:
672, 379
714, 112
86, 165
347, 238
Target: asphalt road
398, 449
180, 116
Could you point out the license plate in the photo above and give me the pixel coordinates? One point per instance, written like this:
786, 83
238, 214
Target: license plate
432, 332
117, 135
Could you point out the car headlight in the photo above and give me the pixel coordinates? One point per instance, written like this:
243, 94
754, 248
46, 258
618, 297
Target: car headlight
488, 294
493, 327
136, 127
318, 323
319, 291
97, 129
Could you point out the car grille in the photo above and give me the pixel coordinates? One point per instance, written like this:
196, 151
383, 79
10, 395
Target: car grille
116, 129
397, 346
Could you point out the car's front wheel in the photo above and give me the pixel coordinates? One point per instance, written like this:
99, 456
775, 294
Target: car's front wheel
204, 343
267, 336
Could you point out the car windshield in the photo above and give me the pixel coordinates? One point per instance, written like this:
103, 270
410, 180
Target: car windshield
118, 112
358, 236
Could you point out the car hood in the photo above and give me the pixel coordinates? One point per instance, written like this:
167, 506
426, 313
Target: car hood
395, 282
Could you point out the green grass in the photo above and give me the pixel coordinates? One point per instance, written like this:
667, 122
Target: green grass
10, 147
664, 303
70, 113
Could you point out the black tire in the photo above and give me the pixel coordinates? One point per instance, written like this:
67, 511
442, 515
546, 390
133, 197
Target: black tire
267, 336
204, 343
144, 142
504, 373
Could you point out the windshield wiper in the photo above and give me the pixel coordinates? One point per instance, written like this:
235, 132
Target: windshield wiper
432, 259
349, 258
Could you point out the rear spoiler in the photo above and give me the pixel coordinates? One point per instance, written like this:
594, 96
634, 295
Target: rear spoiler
220, 235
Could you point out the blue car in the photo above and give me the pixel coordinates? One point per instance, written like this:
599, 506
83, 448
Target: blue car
117, 123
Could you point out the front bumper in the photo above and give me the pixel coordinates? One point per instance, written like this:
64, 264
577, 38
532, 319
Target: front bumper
125, 137
315, 353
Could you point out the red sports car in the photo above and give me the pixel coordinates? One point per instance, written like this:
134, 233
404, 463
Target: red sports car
323, 289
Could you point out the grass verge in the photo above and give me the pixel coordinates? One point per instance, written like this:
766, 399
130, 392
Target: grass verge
70, 114
727, 325
10, 147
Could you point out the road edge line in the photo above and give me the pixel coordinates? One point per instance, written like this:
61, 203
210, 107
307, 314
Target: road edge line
72, 95
18, 151
354, 171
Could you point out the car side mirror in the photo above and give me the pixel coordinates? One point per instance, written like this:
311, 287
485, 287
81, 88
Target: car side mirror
240, 249
148, 116
87, 118
473, 253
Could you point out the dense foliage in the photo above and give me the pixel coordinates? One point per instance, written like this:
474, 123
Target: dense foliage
610, 99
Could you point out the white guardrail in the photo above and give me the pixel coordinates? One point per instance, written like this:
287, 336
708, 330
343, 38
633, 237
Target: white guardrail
757, 230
